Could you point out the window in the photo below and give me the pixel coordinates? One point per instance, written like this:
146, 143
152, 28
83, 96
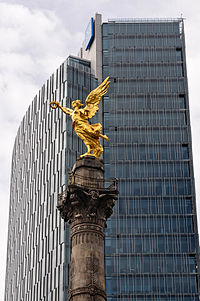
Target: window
178, 54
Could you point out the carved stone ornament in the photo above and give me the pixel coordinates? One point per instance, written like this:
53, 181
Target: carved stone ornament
79, 202
91, 290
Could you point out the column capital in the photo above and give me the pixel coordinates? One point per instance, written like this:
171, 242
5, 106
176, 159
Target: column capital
79, 203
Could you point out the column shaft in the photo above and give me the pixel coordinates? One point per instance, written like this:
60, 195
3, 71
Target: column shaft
87, 275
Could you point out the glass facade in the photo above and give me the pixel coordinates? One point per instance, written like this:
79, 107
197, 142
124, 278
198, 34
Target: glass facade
151, 240
38, 256
151, 243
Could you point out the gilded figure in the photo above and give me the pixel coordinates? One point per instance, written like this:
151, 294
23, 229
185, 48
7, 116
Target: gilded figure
89, 133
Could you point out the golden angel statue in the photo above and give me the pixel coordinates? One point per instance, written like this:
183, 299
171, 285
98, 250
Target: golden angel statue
89, 133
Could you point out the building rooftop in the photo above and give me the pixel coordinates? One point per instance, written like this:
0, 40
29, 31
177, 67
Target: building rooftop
146, 20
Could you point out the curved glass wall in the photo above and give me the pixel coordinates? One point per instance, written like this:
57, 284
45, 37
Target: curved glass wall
46, 147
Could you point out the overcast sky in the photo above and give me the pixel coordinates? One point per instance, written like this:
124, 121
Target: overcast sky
35, 38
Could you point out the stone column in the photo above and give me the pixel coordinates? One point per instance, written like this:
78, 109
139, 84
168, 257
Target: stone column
86, 205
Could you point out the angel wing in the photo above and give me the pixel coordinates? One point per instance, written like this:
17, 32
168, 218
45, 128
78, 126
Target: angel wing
94, 98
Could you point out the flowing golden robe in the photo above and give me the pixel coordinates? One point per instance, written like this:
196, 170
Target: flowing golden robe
90, 134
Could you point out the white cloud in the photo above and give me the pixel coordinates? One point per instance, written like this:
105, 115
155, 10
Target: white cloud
36, 36
33, 44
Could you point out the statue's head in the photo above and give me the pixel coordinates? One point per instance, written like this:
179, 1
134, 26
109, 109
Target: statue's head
76, 104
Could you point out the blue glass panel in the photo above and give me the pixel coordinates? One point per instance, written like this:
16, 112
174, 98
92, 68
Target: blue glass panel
149, 224
147, 135
151, 284
145, 152
147, 169
178, 55
143, 102
150, 244
159, 187
141, 118
133, 70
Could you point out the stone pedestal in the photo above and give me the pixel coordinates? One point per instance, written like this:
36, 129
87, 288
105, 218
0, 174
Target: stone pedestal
86, 205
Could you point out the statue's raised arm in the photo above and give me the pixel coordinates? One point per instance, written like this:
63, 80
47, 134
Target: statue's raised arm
90, 134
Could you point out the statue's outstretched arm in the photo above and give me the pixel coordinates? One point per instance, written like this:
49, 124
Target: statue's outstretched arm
55, 105
66, 111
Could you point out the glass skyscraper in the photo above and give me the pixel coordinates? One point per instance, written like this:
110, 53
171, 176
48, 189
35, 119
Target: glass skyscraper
151, 243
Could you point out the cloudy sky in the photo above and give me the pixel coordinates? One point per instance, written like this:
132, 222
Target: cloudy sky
35, 38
